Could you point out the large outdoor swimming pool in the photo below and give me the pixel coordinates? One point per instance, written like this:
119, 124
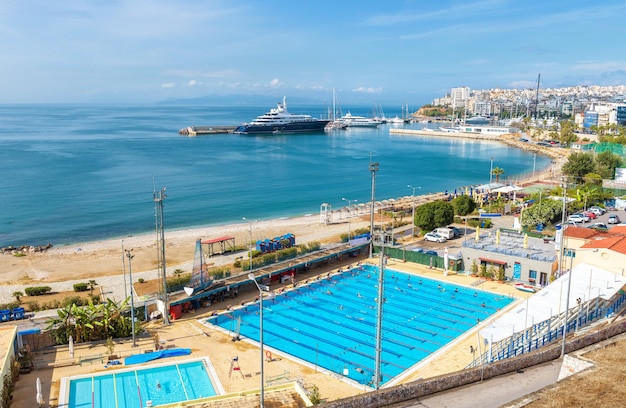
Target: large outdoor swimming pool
331, 322
131, 388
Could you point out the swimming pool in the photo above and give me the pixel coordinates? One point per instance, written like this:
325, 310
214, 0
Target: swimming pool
331, 322
161, 384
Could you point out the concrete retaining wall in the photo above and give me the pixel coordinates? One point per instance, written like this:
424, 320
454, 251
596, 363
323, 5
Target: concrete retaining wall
433, 385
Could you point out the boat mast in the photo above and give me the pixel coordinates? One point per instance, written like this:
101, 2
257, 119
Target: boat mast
537, 96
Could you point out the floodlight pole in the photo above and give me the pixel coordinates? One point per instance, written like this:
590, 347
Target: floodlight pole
132, 296
253, 279
159, 196
490, 173
124, 270
571, 254
373, 168
382, 236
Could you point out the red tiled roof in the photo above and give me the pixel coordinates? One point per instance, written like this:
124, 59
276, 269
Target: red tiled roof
615, 243
578, 232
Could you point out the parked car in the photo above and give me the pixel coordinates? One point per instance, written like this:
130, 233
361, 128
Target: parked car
578, 218
457, 232
597, 210
432, 237
598, 226
590, 214
613, 219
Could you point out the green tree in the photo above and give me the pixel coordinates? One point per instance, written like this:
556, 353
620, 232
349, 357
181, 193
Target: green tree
434, 214
17, 295
578, 165
566, 134
91, 284
606, 163
464, 205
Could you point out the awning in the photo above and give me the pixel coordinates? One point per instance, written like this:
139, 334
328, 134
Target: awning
494, 261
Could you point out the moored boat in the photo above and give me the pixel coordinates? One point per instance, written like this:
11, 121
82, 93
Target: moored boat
351, 120
524, 288
279, 121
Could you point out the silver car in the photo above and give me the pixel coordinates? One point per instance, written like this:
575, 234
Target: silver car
431, 236
613, 219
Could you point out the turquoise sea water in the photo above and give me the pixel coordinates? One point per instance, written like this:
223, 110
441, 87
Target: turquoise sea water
77, 173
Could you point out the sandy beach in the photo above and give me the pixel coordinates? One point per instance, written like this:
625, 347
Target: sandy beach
102, 261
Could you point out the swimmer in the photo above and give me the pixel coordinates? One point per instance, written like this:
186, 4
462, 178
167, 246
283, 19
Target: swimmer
483, 304
158, 385
328, 292
438, 286
359, 295
369, 276
420, 282
475, 294
456, 290
340, 307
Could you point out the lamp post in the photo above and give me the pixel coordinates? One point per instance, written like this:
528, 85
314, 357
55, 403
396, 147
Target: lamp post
349, 216
158, 197
534, 162
373, 168
250, 221
490, 171
252, 278
132, 296
413, 205
124, 270
571, 253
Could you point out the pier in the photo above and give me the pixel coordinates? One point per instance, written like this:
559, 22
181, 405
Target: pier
206, 130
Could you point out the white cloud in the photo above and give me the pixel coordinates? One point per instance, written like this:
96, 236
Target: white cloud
192, 82
274, 82
368, 90
168, 85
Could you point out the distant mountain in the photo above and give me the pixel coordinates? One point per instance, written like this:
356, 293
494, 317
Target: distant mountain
241, 100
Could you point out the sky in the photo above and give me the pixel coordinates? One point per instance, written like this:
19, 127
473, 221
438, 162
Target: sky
144, 51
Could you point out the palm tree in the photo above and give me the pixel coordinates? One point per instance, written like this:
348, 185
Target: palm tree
18, 295
91, 284
497, 172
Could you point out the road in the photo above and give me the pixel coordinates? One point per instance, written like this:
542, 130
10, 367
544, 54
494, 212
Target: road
495, 392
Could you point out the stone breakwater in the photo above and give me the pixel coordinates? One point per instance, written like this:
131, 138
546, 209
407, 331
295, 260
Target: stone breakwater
11, 250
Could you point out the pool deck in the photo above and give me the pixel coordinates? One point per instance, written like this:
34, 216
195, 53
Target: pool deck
189, 332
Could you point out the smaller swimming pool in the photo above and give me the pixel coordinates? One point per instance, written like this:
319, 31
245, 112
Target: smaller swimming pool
130, 388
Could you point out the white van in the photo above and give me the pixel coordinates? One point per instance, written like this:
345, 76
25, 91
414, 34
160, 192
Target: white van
447, 233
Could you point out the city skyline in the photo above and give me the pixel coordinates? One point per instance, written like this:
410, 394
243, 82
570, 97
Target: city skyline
405, 52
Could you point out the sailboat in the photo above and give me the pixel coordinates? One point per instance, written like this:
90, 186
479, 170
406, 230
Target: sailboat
200, 278
334, 124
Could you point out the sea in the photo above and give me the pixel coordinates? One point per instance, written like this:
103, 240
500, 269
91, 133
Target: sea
80, 173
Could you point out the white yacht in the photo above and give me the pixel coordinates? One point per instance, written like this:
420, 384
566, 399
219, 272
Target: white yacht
351, 120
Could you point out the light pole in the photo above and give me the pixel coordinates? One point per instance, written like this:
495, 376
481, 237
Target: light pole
124, 270
132, 296
349, 216
250, 221
571, 253
373, 168
534, 162
158, 197
252, 278
490, 171
379, 310
413, 205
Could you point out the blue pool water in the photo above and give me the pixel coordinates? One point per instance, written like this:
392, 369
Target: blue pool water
133, 388
331, 322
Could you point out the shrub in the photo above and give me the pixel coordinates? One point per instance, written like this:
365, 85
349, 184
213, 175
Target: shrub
141, 280
80, 287
72, 300
33, 306
37, 290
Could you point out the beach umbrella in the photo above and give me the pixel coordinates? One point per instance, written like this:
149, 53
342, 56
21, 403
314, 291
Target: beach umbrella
39, 395
71, 346
525, 241
477, 233
498, 236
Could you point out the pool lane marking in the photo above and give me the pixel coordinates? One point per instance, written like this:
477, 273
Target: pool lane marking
115, 390
182, 382
138, 391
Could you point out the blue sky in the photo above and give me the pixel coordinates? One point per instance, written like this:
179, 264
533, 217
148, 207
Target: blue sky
370, 51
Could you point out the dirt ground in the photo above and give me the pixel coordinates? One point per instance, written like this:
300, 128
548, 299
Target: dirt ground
600, 386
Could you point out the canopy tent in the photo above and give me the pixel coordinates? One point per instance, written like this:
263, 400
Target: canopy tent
588, 282
507, 189
488, 187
